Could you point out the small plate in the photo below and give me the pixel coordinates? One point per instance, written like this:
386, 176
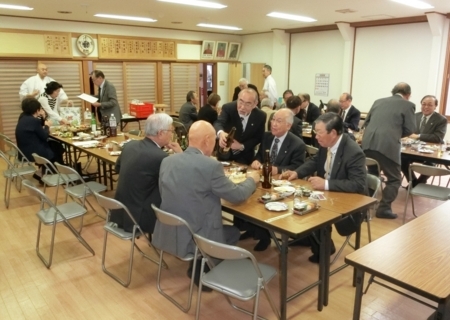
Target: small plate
115, 153
276, 206
278, 183
426, 151
100, 138
285, 190
225, 164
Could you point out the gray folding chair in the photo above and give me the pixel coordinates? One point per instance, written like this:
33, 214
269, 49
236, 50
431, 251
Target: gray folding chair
310, 150
51, 176
180, 129
173, 220
19, 160
13, 172
135, 132
373, 162
374, 184
239, 276
11, 153
80, 191
110, 227
53, 215
426, 190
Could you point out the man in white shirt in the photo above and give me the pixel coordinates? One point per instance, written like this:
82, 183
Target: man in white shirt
269, 84
35, 85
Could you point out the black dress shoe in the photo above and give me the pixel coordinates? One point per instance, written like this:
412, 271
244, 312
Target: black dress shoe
246, 235
386, 215
315, 257
262, 245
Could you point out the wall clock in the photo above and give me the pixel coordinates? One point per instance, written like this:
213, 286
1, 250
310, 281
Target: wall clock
85, 43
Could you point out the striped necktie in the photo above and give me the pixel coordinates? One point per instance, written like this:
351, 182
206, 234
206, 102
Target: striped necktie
274, 152
422, 124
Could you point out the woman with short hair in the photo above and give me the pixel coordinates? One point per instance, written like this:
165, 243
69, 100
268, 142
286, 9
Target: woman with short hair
49, 101
209, 111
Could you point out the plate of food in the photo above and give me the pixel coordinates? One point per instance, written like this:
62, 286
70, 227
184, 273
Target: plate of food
278, 183
225, 164
238, 177
304, 207
276, 206
425, 150
270, 197
285, 190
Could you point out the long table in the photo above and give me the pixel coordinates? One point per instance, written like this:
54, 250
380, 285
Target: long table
435, 157
415, 257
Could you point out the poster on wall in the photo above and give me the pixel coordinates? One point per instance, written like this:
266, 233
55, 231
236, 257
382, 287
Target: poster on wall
233, 51
208, 48
221, 50
322, 84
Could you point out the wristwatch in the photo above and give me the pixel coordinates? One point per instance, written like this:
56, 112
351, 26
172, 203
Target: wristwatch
242, 147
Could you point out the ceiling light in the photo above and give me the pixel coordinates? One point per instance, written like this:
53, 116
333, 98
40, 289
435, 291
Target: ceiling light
415, 4
10, 6
198, 3
113, 16
290, 17
216, 26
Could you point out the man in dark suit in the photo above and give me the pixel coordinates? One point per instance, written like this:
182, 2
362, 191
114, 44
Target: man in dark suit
349, 113
340, 164
188, 111
389, 120
293, 104
430, 127
309, 112
287, 152
107, 97
138, 166
249, 122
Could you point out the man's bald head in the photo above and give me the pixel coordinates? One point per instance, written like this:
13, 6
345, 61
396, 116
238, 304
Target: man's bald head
202, 136
42, 70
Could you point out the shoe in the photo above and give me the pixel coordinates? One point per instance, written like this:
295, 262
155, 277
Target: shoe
197, 275
38, 178
262, 245
386, 215
246, 235
302, 242
315, 258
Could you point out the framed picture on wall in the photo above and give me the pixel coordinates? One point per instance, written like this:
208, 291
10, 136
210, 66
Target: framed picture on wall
234, 50
208, 48
221, 50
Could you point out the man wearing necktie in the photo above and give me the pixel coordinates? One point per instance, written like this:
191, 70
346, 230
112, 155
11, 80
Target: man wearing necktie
340, 165
349, 113
107, 98
430, 127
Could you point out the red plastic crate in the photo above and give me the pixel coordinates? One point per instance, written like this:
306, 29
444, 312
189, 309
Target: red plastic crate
141, 110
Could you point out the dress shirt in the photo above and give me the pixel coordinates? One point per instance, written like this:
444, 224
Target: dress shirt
271, 87
36, 83
244, 120
333, 151
280, 143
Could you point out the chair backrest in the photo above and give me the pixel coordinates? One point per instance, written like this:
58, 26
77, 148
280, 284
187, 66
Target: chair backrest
372, 162
34, 191
373, 183
4, 137
112, 204
428, 170
65, 170
12, 146
179, 127
311, 150
49, 167
6, 158
135, 132
170, 219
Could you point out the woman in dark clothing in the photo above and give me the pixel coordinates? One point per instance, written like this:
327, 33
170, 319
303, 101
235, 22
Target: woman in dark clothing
209, 111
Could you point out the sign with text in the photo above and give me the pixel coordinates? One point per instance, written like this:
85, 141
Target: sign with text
322, 84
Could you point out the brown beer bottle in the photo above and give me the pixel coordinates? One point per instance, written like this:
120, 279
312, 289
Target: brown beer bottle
267, 171
230, 139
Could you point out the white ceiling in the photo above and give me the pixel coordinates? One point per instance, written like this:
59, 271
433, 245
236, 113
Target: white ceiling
250, 15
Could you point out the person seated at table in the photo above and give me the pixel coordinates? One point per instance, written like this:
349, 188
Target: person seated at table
188, 111
138, 166
191, 185
286, 95
333, 105
287, 152
340, 165
430, 127
293, 104
309, 112
32, 133
349, 113
208, 112
50, 103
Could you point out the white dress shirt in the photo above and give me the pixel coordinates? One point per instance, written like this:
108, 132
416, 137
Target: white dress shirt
36, 83
271, 87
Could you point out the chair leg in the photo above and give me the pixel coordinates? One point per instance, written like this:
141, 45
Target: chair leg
347, 239
412, 204
7, 193
406, 206
200, 285
96, 213
52, 243
369, 233
79, 237
369, 283
256, 303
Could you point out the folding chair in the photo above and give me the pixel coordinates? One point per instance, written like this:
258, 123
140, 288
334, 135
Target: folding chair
373, 183
426, 190
239, 276
11, 153
180, 129
51, 176
310, 150
373, 162
55, 214
110, 227
20, 160
173, 220
13, 172
135, 132
80, 191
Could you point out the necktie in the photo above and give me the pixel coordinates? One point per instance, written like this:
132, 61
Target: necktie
304, 116
422, 124
99, 94
242, 120
274, 152
343, 115
328, 165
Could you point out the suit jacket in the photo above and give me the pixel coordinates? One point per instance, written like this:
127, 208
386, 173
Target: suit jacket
296, 128
207, 113
109, 104
389, 120
229, 117
188, 114
138, 168
291, 153
435, 128
31, 137
191, 186
312, 114
348, 173
352, 118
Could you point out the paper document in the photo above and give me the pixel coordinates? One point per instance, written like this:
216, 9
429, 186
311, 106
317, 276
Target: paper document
88, 98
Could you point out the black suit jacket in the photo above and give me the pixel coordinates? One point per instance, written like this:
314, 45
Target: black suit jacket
352, 118
435, 128
229, 117
31, 137
312, 114
348, 173
207, 113
291, 153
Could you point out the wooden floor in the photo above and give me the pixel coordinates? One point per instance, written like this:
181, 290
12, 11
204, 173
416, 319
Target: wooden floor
76, 287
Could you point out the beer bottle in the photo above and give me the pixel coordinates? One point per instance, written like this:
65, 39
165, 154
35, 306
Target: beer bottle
267, 171
113, 125
230, 139
184, 143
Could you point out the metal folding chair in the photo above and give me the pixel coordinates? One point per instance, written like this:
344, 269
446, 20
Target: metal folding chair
310, 150
11, 153
173, 220
373, 162
110, 227
53, 215
135, 132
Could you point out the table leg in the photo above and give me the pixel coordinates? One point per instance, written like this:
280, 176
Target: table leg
357, 246
283, 275
324, 267
358, 294
443, 311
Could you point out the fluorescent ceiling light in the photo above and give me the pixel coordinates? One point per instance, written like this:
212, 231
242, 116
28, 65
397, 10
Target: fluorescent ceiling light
9, 6
216, 26
198, 3
113, 16
415, 4
290, 17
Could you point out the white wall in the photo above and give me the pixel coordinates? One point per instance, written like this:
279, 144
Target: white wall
316, 52
222, 77
257, 48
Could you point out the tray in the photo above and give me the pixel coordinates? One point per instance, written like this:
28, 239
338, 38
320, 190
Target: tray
278, 198
303, 212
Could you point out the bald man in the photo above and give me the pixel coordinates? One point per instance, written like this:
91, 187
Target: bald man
191, 185
35, 85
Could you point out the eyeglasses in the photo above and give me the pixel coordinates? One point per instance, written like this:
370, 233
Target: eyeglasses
320, 133
428, 105
247, 104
